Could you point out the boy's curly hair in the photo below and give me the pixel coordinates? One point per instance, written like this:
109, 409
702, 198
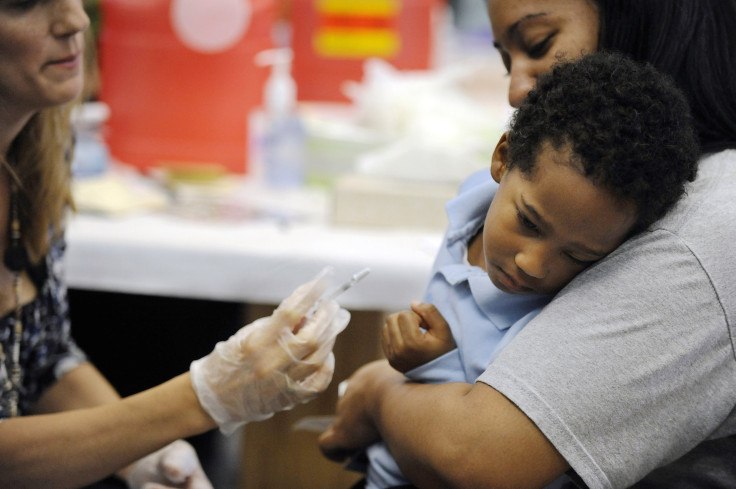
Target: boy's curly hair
627, 124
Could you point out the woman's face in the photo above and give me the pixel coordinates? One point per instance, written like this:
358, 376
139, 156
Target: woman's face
41, 43
532, 35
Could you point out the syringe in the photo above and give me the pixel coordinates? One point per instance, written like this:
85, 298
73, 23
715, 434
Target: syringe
334, 293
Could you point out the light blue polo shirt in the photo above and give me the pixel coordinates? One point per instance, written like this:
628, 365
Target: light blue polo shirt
482, 318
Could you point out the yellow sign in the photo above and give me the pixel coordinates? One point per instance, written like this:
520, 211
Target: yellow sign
385, 8
357, 28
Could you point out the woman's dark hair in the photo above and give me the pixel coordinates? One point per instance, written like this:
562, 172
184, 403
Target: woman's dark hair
625, 124
694, 41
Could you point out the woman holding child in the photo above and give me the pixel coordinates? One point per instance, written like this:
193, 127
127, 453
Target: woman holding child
628, 377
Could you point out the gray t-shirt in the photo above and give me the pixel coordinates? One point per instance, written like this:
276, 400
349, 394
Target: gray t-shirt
631, 368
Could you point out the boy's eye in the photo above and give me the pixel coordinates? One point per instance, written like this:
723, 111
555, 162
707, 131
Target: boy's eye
582, 263
526, 222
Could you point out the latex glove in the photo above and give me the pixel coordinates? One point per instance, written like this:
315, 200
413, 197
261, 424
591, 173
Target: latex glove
265, 367
174, 466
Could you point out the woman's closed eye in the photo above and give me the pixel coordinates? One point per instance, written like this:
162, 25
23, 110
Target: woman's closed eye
533, 51
538, 50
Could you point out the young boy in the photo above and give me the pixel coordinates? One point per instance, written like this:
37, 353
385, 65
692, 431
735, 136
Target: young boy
599, 150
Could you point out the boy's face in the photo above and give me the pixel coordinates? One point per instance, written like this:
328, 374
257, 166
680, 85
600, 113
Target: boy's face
544, 228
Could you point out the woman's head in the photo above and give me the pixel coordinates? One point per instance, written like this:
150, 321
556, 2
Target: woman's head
41, 72
532, 35
41, 44
691, 40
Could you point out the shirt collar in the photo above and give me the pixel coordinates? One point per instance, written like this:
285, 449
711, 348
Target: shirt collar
467, 212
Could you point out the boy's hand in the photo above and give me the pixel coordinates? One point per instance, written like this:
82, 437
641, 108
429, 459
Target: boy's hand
406, 346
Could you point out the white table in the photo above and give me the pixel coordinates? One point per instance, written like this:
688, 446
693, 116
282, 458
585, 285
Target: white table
254, 262
251, 261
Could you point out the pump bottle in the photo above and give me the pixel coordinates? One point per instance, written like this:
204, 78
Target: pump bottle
284, 136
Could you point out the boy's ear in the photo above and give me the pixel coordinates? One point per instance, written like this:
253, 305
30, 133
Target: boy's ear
499, 164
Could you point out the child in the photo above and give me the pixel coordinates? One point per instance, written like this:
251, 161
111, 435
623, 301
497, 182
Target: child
597, 152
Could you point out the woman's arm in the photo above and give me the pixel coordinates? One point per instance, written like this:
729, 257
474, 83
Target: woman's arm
83, 387
77, 447
450, 435
263, 368
86, 387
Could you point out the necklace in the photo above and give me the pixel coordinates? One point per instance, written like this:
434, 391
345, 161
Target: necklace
16, 260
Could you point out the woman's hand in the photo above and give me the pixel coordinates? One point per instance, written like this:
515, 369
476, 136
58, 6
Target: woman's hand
273, 363
174, 466
413, 338
354, 428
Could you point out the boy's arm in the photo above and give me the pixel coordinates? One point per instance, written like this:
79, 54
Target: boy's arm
413, 338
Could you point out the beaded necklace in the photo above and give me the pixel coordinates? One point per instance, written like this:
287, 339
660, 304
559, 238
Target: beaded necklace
15, 260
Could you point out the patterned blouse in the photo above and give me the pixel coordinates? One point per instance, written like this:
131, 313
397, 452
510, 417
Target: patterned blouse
47, 349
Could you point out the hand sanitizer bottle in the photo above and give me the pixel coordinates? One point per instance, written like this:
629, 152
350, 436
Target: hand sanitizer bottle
283, 136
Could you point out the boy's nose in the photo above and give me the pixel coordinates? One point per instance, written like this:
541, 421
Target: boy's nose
533, 261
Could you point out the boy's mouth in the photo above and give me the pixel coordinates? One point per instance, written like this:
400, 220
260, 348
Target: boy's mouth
511, 284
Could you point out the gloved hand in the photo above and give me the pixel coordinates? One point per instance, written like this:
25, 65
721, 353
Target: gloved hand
273, 363
174, 466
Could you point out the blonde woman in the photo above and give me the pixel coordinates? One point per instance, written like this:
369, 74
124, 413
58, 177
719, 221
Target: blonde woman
61, 423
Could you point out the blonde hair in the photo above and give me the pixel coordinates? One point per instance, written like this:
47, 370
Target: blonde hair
39, 163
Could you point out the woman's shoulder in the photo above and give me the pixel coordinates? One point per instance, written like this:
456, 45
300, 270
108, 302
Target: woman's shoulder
708, 201
689, 251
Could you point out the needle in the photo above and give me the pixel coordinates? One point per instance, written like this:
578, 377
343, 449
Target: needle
334, 293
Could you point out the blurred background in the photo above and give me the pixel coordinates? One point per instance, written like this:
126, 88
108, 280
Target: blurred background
228, 150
